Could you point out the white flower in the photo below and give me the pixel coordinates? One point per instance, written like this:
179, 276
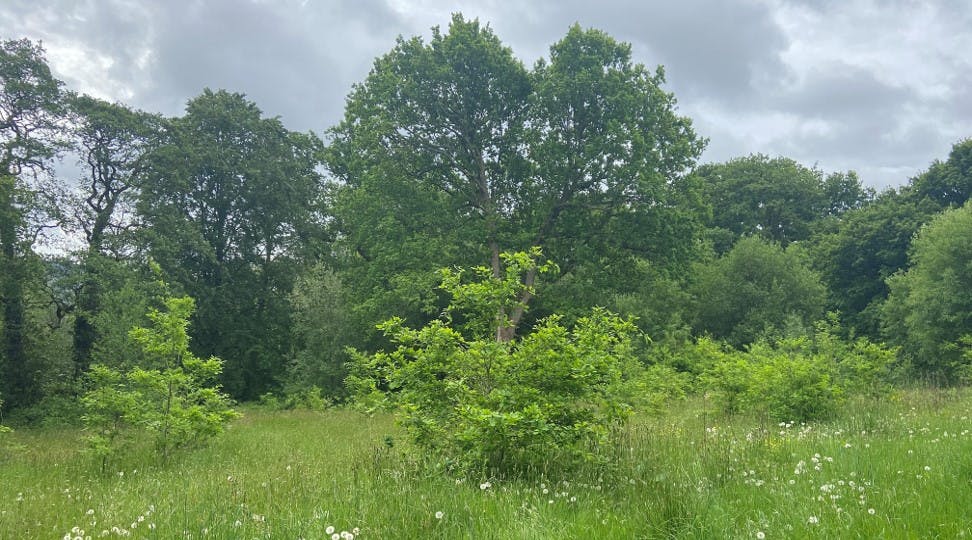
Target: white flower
870, 511
813, 520
760, 535
439, 515
329, 529
335, 536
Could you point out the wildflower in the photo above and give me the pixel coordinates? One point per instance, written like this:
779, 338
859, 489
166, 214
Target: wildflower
760, 535
335, 536
439, 515
870, 511
329, 529
927, 468
485, 485
90, 512
813, 520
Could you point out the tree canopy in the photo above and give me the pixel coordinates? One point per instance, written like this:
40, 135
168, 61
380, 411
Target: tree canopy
471, 154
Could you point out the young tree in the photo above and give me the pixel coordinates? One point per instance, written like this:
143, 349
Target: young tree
174, 396
451, 152
30, 109
540, 403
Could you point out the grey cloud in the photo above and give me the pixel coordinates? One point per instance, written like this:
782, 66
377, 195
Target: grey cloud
726, 62
722, 50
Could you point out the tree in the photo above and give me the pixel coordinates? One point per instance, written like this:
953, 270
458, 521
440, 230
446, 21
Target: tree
777, 199
111, 140
30, 109
948, 183
929, 308
322, 332
452, 152
531, 405
230, 202
174, 397
754, 288
867, 246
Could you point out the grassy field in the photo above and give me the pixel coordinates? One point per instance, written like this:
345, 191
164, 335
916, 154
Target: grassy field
901, 468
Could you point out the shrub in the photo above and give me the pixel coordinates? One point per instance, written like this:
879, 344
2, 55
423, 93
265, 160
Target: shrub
789, 384
534, 404
176, 398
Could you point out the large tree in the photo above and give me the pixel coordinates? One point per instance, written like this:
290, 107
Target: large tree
231, 200
929, 309
451, 152
30, 109
869, 244
777, 199
111, 141
754, 289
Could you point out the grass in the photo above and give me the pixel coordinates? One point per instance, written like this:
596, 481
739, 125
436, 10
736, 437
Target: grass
899, 468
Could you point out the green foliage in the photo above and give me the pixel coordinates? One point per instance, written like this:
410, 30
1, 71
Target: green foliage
451, 152
310, 398
791, 385
30, 110
798, 378
231, 202
866, 248
545, 400
753, 290
777, 199
174, 398
929, 308
322, 328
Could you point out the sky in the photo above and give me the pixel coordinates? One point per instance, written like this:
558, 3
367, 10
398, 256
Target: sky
879, 87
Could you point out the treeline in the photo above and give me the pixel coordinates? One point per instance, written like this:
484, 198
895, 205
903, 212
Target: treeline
451, 152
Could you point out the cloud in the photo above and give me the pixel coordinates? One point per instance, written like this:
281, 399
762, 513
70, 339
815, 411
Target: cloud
880, 87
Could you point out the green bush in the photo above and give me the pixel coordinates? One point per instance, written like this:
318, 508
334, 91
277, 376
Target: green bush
790, 385
176, 398
534, 404
311, 398
795, 378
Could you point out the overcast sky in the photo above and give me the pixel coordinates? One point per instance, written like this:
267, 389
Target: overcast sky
881, 87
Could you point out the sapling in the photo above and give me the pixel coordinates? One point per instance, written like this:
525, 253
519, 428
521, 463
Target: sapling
175, 396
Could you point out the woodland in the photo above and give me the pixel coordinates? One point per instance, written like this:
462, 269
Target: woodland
462, 192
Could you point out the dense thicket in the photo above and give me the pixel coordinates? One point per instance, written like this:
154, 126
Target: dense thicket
451, 152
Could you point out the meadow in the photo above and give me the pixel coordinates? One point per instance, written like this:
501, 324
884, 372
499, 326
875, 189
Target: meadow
900, 467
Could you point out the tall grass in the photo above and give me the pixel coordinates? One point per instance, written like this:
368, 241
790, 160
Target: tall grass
893, 469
